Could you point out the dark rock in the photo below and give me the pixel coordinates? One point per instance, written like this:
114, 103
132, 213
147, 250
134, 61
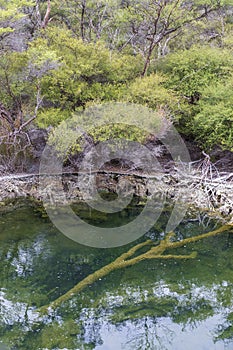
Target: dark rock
38, 139
222, 159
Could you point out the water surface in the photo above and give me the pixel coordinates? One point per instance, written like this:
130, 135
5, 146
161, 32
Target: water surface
156, 304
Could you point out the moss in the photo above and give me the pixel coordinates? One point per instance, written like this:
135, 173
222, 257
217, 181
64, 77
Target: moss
128, 259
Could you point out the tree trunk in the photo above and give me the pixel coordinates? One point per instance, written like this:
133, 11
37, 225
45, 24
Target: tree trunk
148, 59
82, 25
47, 16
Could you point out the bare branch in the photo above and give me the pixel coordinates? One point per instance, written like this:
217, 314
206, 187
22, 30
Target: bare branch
39, 101
47, 16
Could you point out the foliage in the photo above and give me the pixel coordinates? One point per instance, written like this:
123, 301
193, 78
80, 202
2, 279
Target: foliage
90, 20
150, 91
107, 122
87, 72
214, 121
21, 73
52, 116
194, 75
192, 70
14, 24
149, 23
11, 72
60, 57
10, 13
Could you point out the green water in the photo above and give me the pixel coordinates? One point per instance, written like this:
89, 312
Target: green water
169, 304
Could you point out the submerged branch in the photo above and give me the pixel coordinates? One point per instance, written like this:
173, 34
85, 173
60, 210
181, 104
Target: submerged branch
128, 259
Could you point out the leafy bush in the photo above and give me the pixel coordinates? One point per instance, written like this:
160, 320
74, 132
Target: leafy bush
88, 71
190, 71
150, 91
106, 122
51, 117
198, 75
214, 122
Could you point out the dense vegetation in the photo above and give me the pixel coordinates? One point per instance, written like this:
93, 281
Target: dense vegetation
58, 57
169, 59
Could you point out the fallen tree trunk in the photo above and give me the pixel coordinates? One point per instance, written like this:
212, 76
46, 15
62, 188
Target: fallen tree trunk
128, 259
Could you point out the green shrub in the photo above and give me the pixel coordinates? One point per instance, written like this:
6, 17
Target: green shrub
190, 71
213, 124
150, 91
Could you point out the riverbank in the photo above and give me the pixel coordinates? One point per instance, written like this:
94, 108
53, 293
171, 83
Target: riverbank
192, 184
206, 182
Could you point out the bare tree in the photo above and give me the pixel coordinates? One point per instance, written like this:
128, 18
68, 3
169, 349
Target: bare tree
42, 21
47, 18
153, 22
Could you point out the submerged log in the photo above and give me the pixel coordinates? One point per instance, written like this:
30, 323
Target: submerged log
128, 259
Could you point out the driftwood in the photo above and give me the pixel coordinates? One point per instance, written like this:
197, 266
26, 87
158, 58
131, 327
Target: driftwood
128, 259
185, 184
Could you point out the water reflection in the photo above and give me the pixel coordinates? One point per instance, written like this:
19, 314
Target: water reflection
184, 324
162, 333
172, 305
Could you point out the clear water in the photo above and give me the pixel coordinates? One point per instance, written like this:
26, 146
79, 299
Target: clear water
169, 304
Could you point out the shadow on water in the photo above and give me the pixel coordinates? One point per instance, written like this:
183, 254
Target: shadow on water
156, 304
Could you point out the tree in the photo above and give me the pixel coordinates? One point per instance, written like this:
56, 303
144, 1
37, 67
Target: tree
189, 73
41, 21
14, 21
21, 74
89, 20
150, 22
87, 72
